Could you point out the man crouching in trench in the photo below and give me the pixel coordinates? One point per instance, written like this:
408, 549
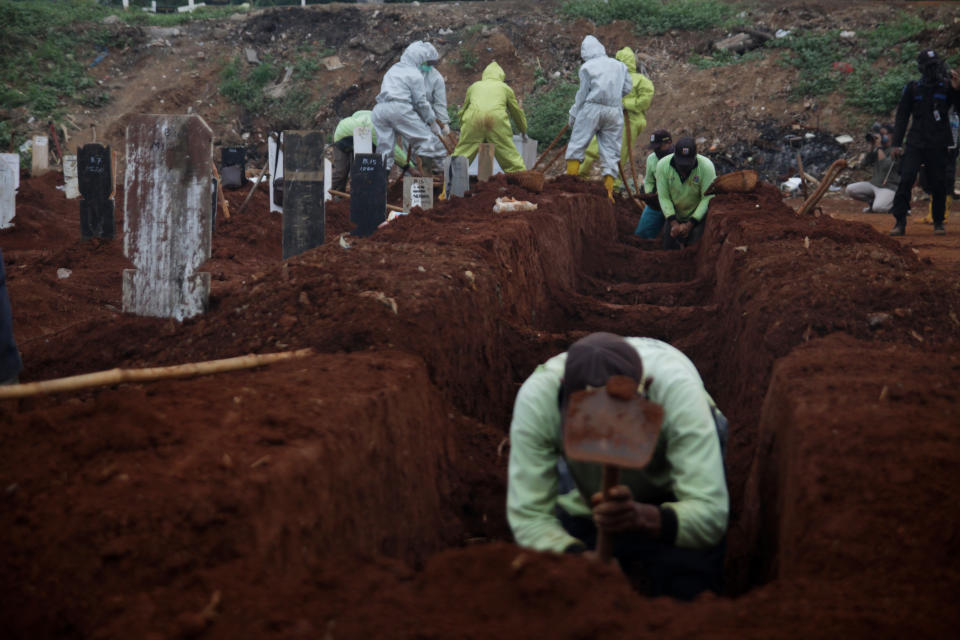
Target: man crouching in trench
669, 519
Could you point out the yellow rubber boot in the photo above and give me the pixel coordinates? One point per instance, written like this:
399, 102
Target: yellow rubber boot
946, 211
573, 167
608, 183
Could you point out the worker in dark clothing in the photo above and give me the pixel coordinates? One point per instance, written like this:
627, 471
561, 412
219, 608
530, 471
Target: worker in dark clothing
924, 104
10, 363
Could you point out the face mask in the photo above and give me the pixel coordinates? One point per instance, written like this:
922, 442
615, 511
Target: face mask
426, 68
885, 139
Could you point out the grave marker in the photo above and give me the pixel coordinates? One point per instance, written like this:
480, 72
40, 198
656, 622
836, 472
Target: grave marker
12, 160
417, 192
275, 162
327, 179
485, 159
527, 149
456, 176
167, 218
41, 156
95, 183
363, 140
8, 195
368, 193
304, 215
71, 188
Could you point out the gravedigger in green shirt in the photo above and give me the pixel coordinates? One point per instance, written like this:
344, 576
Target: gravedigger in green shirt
669, 519
683, 178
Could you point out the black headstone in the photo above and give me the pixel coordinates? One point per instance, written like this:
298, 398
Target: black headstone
368, 193
95, 183
304, 215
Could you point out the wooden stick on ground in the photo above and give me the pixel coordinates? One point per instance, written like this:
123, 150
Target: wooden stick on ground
828, 179
118, 376
223, 200
547, 150
344, 194
256, 184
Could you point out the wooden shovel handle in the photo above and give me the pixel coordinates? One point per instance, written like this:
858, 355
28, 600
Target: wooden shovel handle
549, 147
611, 476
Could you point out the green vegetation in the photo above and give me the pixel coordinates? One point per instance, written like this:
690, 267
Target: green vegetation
723, 59
468, 59
245, 87
654, 16
548, 111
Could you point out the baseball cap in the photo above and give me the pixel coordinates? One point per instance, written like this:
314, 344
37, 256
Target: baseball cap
685, 153
658, 137
593, 359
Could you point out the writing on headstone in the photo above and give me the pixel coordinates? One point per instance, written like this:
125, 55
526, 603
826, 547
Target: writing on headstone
304, 216
95, 184
167, 217
417, 192
368, 193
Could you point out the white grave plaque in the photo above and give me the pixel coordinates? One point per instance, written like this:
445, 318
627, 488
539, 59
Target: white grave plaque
327, 179
167, 218
71, 188
12, 160
363, 140
417, 192
8, 195
275, 168
41, 156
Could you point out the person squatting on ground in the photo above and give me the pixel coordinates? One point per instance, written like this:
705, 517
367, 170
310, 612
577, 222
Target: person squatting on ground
402, 109
598, 111
878, 192
924, 104
485, 117
436, 88
635, 105
651, 220
343, 148
682, 180
10, 363
669, 519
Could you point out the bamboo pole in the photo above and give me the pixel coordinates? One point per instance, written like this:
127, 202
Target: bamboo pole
554, 159
256, 184
344, 194
150, 374
828, 179
547, 150
626, 185
220, 196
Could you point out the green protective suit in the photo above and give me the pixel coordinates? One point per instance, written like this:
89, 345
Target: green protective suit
635, 104
362, 118
485, 117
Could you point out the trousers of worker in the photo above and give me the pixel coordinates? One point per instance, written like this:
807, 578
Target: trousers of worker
398, 118
593, 151
606, 123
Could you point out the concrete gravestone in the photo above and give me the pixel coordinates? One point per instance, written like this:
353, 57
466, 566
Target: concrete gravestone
275, 160
41, 156
71, 186
417, 192
363, 140
303, 202
368, 193
9, 183
456, 176
167, 218
95, 182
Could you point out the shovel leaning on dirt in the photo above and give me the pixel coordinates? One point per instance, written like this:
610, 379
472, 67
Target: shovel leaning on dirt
613, 426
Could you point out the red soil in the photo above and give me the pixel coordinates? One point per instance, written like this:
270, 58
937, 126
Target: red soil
359, 492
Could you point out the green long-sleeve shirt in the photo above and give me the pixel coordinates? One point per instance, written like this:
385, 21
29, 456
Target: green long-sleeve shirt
650, 176
685, 474
684, 199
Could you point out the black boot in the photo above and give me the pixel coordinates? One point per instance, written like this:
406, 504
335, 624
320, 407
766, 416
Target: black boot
899, 229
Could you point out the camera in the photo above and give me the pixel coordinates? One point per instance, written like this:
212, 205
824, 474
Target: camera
874, 134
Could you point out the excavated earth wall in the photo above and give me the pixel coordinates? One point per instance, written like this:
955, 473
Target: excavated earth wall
359, 492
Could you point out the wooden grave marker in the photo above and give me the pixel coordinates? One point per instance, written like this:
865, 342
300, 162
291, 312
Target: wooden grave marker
71, 185
456, 176
41, 156
95, 183
417, 192
485, 158
368, 193
303, 202
167, 217
363, 140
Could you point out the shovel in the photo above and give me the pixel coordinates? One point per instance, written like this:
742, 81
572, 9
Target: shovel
615, 427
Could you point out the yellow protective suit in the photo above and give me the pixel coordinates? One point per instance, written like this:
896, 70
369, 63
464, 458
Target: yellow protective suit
635, 104
485, 117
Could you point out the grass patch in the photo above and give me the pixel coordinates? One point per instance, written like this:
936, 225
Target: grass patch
723, 59
548, 111
244, 86
654, 16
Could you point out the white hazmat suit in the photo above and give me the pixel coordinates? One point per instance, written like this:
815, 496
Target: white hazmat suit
402, 109
598, 107
436, 89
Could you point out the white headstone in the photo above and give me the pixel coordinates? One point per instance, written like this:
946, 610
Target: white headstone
8, 195
41, 155
276, 168
528, 150
363, 140
12, 160
126, 4
417, 192
327, 179
71, 188
167, 218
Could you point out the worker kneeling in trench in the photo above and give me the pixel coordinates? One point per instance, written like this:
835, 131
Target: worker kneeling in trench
667, 521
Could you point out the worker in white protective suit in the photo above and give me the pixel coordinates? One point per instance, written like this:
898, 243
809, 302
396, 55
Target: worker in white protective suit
436, 88
402, 109
598, 110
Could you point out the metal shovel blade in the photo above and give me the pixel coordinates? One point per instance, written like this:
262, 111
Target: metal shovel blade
612, 425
